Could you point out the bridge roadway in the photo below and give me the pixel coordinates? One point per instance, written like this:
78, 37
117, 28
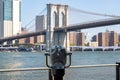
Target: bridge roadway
92, 24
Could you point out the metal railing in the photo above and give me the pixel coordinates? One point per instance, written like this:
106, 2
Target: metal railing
90, 66
23, 69
71, 67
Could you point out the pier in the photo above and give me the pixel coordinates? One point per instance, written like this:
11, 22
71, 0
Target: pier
87, 48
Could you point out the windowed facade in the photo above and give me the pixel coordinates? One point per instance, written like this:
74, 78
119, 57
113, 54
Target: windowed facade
7, 9
10, 17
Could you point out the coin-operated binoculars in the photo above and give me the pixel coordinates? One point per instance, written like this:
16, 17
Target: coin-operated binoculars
58, 62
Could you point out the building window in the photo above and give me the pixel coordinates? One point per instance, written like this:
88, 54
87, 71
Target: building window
7, 7
20, 11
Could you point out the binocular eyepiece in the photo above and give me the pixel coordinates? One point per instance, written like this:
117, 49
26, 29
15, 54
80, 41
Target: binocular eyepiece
58, 57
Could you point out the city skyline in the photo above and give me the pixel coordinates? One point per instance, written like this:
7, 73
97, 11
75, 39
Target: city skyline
108, 38
81, 39
94, 30
108, 7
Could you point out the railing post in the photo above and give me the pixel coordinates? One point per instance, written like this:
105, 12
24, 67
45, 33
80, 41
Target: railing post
117, 70
50, 75
58, 74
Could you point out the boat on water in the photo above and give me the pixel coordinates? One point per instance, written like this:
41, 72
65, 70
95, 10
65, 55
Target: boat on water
16, 49
8, 49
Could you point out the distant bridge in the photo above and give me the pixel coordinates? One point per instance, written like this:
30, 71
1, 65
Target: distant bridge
93, 24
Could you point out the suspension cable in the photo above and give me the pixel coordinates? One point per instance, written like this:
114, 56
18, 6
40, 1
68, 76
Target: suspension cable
93, 13
34, 18
31, 27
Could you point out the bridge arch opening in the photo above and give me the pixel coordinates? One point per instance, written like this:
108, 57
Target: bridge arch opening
54, 19
61, 19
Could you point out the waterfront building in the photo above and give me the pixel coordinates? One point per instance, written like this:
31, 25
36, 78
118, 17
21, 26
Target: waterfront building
23, 40
113, 38
38, 39
95, 38
93, 44
10, 17
101, 39
80, 39
77, 38
119, 40
40, 24
73, 38
108, 38
119, 37
30, 40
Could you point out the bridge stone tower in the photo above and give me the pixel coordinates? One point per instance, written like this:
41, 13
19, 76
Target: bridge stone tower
57, 16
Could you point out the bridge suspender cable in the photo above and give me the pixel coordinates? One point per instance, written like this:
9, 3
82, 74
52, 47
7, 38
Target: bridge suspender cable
93, 13
34, 18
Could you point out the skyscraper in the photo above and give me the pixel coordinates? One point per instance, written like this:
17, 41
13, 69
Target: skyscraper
101, 39
10, 17
40, 24
113, 38
108, 38
73, 38
80, 39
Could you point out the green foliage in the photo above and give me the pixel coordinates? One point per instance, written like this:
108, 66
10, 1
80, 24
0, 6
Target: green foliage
118, 43
72, 44
87, 44
23, 45
40, 43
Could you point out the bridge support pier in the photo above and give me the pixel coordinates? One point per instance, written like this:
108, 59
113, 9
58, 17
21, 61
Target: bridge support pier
53, 21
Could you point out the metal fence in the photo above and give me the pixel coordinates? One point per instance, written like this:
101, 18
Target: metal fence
24, 74
92, 72
80, 72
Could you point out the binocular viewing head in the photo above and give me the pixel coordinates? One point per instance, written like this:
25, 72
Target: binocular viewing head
58, 57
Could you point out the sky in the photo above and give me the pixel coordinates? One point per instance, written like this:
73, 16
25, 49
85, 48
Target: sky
30, 8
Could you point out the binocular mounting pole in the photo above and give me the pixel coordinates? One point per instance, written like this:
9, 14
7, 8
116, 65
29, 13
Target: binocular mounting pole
58, 59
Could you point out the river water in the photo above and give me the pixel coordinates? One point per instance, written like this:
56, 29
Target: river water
12, 60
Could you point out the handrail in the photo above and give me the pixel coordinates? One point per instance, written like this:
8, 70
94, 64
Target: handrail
45, 68
23, 69
90, 66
